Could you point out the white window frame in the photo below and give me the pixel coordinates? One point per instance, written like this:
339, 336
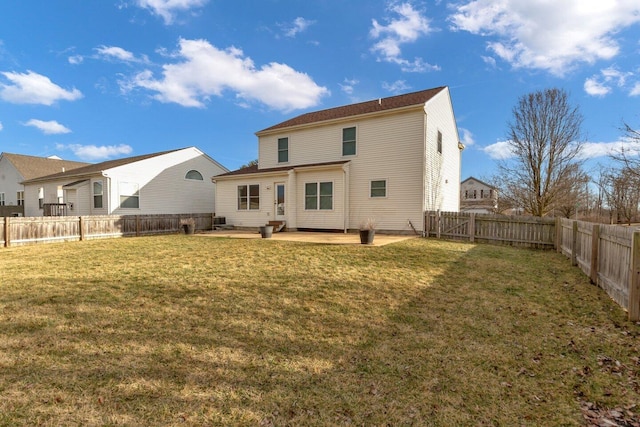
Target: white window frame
123, 190
386, 188
41, 198
355, 141
247, 198
20, 198
280, 150
439, 142
101, 194
198, 177
318, 196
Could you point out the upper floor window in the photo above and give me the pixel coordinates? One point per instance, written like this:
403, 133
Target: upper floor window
194, 174
97, 194
378, 188
248, 197
439, 142
349, 141
129, 195
2, 202
283, 150
20, 197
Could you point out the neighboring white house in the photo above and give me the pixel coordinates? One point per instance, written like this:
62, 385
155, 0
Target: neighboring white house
170, 182
478, 197
16, 168
389, 159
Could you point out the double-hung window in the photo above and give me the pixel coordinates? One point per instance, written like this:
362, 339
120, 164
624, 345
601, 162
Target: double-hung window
283, 150
20, 197
248, 197
129, 195
349, 141
2, 202
378, 188
318, 195
97, 194
439, 142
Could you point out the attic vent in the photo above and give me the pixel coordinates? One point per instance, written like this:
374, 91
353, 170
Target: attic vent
379, 101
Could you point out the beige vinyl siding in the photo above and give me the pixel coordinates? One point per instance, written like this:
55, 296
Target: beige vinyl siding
9, 182
387, 147
321, 218
162, 184
227, 200
442, 171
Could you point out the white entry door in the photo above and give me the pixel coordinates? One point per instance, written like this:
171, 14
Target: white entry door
280, 202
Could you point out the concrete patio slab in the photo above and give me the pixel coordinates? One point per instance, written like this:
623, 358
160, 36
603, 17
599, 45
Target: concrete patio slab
309, 237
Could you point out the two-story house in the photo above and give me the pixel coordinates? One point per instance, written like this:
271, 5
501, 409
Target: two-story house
168, 182
388, 159
478, 197
16, 168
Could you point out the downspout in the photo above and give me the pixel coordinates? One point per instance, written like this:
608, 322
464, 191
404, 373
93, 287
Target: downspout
424, 176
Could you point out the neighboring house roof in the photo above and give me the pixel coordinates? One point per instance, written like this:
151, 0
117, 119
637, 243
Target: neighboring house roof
250, 170
98, 167
31, 167
478, 181
368, 107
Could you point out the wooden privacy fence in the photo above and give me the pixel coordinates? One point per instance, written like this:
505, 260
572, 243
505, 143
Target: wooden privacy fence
531, 232
30, 230
609, 255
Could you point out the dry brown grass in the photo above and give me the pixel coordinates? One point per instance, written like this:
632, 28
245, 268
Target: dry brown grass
190, 330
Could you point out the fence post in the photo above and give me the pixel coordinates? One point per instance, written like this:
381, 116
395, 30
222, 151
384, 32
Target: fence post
634, 279
81, 226
438, 224
472, 227
558, 234
595, 247
574, 244
6, 232
137, 225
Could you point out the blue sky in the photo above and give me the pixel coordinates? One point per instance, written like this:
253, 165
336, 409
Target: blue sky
94, 80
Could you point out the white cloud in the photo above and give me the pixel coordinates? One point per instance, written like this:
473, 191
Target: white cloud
592, 150
167, 9
1, 126
115, 52
602, 84
34, 88
398, 86
299, 25
348, 86
50, 127
206, 70
549, 35
407, 28
501, 150
93, 152
635, 91
467, 137
75, 59
596, 88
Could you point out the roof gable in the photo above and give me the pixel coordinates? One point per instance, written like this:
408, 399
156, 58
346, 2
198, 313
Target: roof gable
100, 167
477, 181
368, 107
31, 167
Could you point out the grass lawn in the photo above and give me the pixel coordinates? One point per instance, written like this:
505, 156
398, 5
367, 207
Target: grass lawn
193, 330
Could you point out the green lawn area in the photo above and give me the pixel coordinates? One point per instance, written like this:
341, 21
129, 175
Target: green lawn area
194, 330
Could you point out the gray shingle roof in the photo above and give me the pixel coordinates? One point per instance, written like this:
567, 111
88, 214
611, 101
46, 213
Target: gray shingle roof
31, 167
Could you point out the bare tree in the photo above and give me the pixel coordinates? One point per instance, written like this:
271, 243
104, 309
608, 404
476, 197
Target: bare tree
621, 188
574, 191
544, 137
629, 158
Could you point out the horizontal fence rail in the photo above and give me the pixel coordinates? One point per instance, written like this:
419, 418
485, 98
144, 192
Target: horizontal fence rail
608, 254
521, 231
30, 230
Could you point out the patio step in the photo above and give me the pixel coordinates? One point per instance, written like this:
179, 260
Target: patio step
277, 225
